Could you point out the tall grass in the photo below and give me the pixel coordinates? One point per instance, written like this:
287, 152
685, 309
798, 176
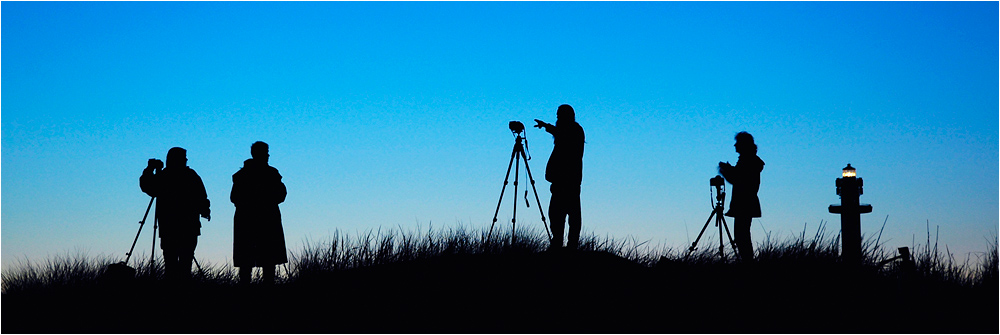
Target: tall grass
936, 263
381, 247
63, 271
985, 274
391, 246
80, 271
820, 247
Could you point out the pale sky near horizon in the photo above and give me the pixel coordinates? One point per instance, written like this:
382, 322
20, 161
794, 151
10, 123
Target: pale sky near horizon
389, 115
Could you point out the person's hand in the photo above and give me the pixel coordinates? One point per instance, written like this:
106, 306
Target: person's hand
154, 164
540, 123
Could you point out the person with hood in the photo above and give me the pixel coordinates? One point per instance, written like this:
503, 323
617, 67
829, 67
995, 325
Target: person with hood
258, 238
745, 178
565, 171
181, 199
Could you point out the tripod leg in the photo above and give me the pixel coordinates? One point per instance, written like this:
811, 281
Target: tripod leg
505, 179
537, 201
141, 223
152, 252
513, 219
731, 241
693, 245
718, 222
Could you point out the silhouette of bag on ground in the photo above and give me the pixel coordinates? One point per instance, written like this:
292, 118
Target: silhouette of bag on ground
118, 273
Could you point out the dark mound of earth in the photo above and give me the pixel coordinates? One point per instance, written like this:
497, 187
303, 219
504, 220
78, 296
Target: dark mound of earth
548, 292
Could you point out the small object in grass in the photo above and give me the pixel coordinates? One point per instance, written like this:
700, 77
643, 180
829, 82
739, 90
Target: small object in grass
118, 272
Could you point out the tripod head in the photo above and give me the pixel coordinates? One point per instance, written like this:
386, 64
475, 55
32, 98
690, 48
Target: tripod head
516, 128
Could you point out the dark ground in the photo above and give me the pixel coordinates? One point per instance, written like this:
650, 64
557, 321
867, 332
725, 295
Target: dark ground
583, 292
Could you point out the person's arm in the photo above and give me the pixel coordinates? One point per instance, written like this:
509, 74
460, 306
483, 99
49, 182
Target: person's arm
147, 182
202, 195
236, 194
731, 173
548, 127
279, 192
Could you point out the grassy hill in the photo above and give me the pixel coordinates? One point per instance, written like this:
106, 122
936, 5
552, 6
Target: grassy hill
458, 282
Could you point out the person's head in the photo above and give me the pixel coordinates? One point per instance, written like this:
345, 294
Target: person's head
176, 156
565, 112
744, 143
258, 150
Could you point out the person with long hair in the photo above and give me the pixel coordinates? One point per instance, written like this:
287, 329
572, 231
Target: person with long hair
745, 178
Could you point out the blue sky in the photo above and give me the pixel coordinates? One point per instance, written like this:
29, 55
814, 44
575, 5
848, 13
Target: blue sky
394, 115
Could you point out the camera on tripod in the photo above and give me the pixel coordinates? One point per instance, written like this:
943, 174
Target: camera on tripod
719, 184
720, 188
516, 127
716, 181
519, 153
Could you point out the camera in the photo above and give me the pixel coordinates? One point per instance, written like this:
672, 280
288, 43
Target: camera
716, 181
516, 126
155, 164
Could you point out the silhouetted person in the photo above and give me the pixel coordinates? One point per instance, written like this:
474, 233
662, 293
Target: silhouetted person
565, 172
745, 177
258, 239
181, 198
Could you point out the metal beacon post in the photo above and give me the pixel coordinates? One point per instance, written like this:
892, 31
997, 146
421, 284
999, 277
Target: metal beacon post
850, 188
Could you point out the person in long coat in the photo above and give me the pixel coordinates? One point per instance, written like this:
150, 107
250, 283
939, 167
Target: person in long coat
565, 171
180, 200
745, 178
258, 238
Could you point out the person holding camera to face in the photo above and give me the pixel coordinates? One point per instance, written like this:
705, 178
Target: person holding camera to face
745, 178
565, 171
181, 199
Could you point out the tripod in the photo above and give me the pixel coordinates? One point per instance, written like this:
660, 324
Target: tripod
152, 252
720, 221
515, 161
143, 223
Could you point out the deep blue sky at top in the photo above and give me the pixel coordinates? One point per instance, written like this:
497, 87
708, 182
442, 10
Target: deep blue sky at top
394, 115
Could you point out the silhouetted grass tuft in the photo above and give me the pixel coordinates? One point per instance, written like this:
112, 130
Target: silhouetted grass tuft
936, 264
66, 271
382, 247
79, 271
986, 273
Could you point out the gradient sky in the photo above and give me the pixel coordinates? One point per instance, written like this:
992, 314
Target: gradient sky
394, 115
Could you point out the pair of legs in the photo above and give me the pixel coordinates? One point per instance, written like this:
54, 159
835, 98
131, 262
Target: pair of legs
267, 277
178, 253
565, 202
741, 228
